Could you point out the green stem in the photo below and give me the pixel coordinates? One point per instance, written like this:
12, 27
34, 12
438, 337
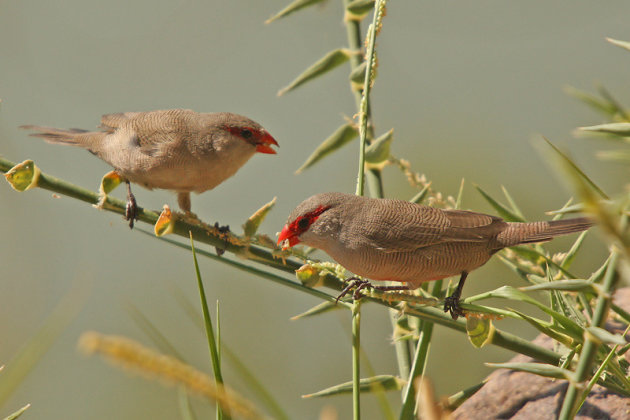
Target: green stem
212, 343
419, 363
356, 352
591, 344
264, 257
367, 87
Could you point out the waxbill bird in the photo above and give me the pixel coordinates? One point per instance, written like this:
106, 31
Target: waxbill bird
384, 239
178, 149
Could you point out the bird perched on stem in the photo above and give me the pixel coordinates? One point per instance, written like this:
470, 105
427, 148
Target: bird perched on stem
178, 149
383, 239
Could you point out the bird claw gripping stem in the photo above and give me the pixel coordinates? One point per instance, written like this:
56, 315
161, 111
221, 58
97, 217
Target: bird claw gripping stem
361, 284
224, 233
131, 209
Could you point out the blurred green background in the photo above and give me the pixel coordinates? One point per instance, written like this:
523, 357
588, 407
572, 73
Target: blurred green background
468, 86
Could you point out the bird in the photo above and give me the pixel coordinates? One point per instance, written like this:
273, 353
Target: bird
401, 241
178, 149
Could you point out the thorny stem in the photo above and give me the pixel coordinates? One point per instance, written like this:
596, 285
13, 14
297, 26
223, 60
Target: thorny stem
356, 351
591, 344
265, 257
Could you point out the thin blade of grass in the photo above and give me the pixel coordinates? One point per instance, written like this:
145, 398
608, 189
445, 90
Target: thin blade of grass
386, 382
575, 169
212, 344
18, 368
292, 8
539, 369
620, 129
503, 211
593, 101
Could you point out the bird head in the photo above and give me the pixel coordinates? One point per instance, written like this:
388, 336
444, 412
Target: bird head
250, 132
313, 220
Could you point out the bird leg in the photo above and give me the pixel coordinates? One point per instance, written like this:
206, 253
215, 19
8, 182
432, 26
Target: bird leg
183, 200
361, 284
131, 209
451, 303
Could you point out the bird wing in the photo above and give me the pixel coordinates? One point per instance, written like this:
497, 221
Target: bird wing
407, 226
110, 122
154, 129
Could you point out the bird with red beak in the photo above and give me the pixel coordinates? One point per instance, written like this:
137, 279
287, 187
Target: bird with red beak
394, 240
178, 149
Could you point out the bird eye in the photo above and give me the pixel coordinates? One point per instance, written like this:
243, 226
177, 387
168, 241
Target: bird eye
246, 133
303, 223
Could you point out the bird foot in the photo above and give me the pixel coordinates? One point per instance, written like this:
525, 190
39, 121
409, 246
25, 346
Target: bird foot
224, 233
131, 208
451, 305
131, 211
361, 284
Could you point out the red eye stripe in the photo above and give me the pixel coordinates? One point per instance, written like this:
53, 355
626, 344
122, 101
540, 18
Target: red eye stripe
299, 225
248, 134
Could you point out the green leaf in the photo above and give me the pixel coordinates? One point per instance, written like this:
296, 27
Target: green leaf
622, 155
23, 176
593, 101
110, 180
330, 61
622, 44
17, 413
512, 203
508, 292
546, 329
568, 259
576, 171
384, 382
339, 138
253, 223
357, 75
359, 8
458, 398
418, 198
378, 150
460, 195
503, 211
607, 337
479, 331
316, 310
619, 129
291, 8
573, 285
37, 345
212, 343
539, 369
575, 208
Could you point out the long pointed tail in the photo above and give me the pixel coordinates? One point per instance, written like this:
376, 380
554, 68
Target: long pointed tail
526, 233
72, 136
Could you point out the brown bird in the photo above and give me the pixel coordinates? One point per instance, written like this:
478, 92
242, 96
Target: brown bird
396, 240
178, 149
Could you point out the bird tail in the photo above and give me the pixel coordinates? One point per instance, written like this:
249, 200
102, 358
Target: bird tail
73, 136
527, 233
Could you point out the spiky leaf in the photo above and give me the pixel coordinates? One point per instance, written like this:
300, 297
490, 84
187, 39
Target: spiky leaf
328, 62
339, 138
292, 8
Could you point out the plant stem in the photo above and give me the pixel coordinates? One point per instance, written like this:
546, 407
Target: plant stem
419, 363
356, 352
212, 343
591, 344
370, 58
262, 256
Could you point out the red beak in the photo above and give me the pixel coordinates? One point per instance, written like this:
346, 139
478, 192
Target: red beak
264, 145
287, 235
